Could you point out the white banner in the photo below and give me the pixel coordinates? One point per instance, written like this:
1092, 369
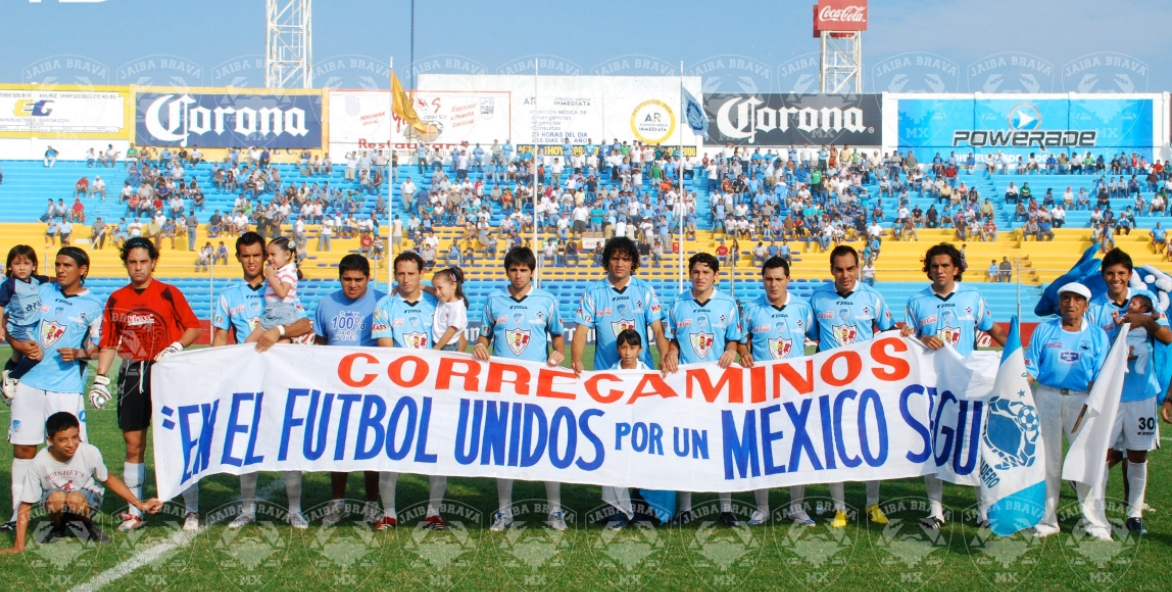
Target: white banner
42, 112
362, 120
853, 414
582, 108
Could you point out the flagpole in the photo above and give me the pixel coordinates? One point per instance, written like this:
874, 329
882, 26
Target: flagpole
536, 247
683, 119
390, 185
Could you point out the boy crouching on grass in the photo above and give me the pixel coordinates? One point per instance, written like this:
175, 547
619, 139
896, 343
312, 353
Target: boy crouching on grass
64, 480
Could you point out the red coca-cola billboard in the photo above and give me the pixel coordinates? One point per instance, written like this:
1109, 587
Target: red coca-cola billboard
840, 15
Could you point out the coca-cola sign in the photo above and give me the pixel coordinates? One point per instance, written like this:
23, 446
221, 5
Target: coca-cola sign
840, 15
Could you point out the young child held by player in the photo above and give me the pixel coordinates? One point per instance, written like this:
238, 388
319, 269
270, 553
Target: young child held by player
282, 275
21, 300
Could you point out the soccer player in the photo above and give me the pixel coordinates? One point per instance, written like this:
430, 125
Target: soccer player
521, 322
142, 323
346, 318
1063, 359
238, 312
705, 326
610, 306
776, 326
948, 313
1135, 424
848, 312
63, 479
65, 337
404, 320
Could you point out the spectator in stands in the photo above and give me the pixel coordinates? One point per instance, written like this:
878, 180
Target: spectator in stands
1006, 270
98, 234
204, 258
51, 233
82, 187
1012, 193
221, 254
50, 157
989, 230
1159, 238
1044, 230
90, 158
760, 254
65, 229
994, 273
191, 226
77, 212
867, 274
99, 187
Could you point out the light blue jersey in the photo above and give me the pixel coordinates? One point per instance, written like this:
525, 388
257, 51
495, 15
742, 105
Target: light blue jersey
778, 332
846, 319
1101, 309
610, 311
955, 319
639, 365
1063, 359
1142, 381
703, 330
66, 322
240, 308
520, 328
347, 322
21, 301
407, 323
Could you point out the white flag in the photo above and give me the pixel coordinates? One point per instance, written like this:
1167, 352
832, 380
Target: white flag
1086, 460
694, 114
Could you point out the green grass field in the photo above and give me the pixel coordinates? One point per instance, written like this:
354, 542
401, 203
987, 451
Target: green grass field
700, 556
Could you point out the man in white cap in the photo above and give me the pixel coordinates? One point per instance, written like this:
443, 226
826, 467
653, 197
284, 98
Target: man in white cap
1063, 359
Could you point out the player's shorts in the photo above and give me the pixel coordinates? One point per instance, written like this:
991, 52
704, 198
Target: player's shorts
93, 498
1136, 426
32, 407
134, 396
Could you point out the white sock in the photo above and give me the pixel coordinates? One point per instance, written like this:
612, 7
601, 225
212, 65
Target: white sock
248, 493
20, 468
437, 485
386, 491
872, 493
504, 494
553, 494
293, 491
935, 489
838, 496
191, 498
1137, 478
685, 501
982, 505
761, 496
725, 501
797, 499
134, 474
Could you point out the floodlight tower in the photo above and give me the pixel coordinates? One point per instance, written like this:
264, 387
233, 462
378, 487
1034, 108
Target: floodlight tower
288, 43
840, 25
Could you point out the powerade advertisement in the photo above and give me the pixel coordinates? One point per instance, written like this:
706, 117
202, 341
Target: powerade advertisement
224, 120
1023, 125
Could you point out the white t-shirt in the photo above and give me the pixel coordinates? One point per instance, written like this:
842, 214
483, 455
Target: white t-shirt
84, 471
449, 314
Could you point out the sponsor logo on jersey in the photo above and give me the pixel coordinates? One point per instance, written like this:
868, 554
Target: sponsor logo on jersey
376, 327
929, 321
702, 343
415, 340
51, 332
1069, 357
135, 320
844, 334
604, 312
826, 315
761, 329
397, 323
623, 325
780, 348
950, 335
518, 340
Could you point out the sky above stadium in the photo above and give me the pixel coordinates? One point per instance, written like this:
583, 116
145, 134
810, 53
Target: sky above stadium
747, 46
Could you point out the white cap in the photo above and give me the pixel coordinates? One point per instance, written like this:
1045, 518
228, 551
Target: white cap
1075, 288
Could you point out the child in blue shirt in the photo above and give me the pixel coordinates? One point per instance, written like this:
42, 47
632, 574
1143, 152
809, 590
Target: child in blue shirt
21, 300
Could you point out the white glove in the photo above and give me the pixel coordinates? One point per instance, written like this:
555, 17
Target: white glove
174, 348
99, 394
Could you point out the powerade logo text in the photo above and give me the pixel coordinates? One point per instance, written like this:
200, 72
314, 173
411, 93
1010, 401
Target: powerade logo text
1023, 131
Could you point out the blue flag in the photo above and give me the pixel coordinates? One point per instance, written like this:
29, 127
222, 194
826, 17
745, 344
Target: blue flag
1013, 469
694, 114
1085, 272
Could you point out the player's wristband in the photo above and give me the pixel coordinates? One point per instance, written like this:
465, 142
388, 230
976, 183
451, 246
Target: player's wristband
281, 330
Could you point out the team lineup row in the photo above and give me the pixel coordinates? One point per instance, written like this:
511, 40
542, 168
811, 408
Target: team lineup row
55, 326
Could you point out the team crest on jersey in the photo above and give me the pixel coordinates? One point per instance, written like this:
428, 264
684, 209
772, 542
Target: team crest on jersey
780, 348
51, 332
253, 323
623, 325
844, 334
950, 335
702, 343
415, 340
518, 340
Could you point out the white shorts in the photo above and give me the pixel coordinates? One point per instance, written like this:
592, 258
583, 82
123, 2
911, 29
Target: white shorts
1136, 426
32, 406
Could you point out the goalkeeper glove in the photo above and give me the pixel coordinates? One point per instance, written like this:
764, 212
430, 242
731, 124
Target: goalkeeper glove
99, 393
174, 348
